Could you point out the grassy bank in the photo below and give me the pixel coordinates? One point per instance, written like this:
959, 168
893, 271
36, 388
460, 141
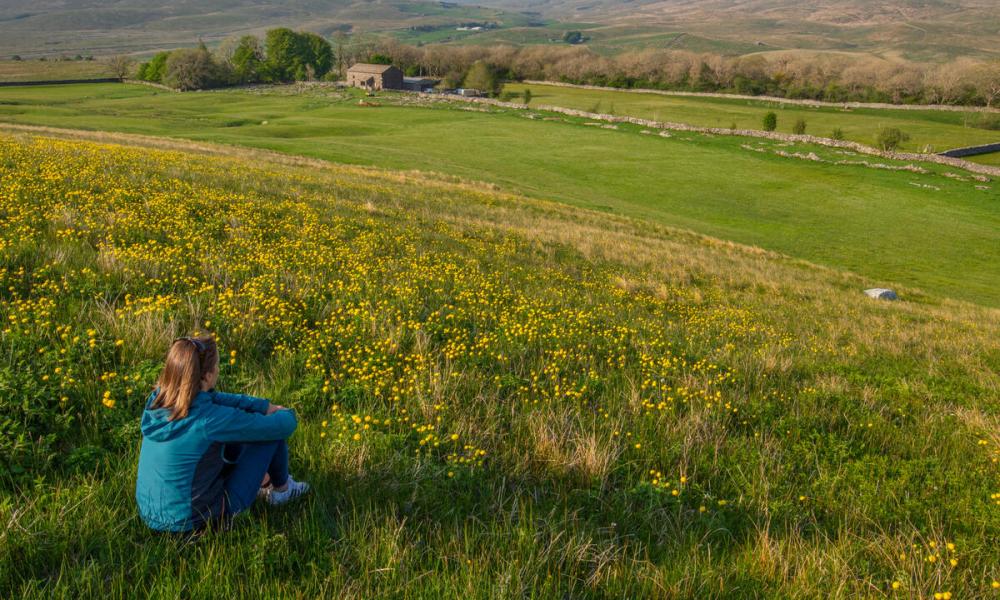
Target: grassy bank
498, 397
931, 130
929, 231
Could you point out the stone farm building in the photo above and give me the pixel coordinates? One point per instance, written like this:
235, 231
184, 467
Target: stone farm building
375, 77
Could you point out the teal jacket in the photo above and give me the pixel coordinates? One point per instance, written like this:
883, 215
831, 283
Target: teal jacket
179, 485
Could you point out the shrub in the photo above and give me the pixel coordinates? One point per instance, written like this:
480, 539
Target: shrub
16, 57
890, 139
799, 128
770, 121
837, 134
481, 77
527, 96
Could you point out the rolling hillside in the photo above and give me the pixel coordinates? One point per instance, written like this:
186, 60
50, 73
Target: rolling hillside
54, 28
498, 397
883, 221
915, 29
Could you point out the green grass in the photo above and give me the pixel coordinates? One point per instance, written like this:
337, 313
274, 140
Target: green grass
936, 130
828, 444
987, 159
36, 70
883, 225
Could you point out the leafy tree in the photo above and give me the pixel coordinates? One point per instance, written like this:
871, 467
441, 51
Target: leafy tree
799, 128
380, 59
770, 121
247, 60
191, 69
293, 56
284, 54
573, 37
890, 139
481, 77
320, 56
155, 69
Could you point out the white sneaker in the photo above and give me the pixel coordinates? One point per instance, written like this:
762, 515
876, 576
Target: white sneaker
293, 491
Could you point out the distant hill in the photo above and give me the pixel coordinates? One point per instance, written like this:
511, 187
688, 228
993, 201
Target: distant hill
916, 29
922, 30
55, 27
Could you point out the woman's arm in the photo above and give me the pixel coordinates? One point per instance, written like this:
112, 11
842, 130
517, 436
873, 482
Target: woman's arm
240, 401
230, 424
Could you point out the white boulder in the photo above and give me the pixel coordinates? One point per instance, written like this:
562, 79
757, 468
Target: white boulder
881, 294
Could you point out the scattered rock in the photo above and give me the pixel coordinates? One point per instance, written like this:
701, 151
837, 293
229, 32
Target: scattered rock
881, 294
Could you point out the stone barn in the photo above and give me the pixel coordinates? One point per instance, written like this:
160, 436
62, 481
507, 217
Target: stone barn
375, 77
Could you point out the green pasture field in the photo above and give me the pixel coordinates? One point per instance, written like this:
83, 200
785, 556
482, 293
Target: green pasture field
928, 129
46, 70
935, 233
986, 159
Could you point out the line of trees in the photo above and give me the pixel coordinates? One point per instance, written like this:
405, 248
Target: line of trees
834, 78
283, 56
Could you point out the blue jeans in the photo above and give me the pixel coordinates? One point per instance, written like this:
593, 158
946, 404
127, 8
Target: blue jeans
248, 462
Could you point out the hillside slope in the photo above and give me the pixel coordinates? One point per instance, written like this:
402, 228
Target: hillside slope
882, 221
54, 27
498, 397
918, 29
935, 30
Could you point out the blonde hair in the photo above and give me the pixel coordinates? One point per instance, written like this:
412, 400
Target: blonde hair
188, 360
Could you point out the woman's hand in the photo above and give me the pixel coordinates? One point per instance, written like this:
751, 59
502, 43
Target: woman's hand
273, 408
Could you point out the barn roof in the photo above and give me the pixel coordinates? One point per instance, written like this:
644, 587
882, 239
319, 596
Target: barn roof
370, 68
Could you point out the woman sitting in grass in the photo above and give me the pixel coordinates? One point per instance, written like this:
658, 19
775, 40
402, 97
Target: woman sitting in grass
206, 455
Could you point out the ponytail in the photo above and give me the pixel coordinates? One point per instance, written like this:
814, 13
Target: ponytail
188, 360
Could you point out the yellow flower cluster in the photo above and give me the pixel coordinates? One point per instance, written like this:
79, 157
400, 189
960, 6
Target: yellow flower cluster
394, 318
385, 326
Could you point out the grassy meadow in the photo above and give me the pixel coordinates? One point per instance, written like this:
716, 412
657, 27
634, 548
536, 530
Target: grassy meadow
928, 129
498, 396
883, 224
48, 70
987, 159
